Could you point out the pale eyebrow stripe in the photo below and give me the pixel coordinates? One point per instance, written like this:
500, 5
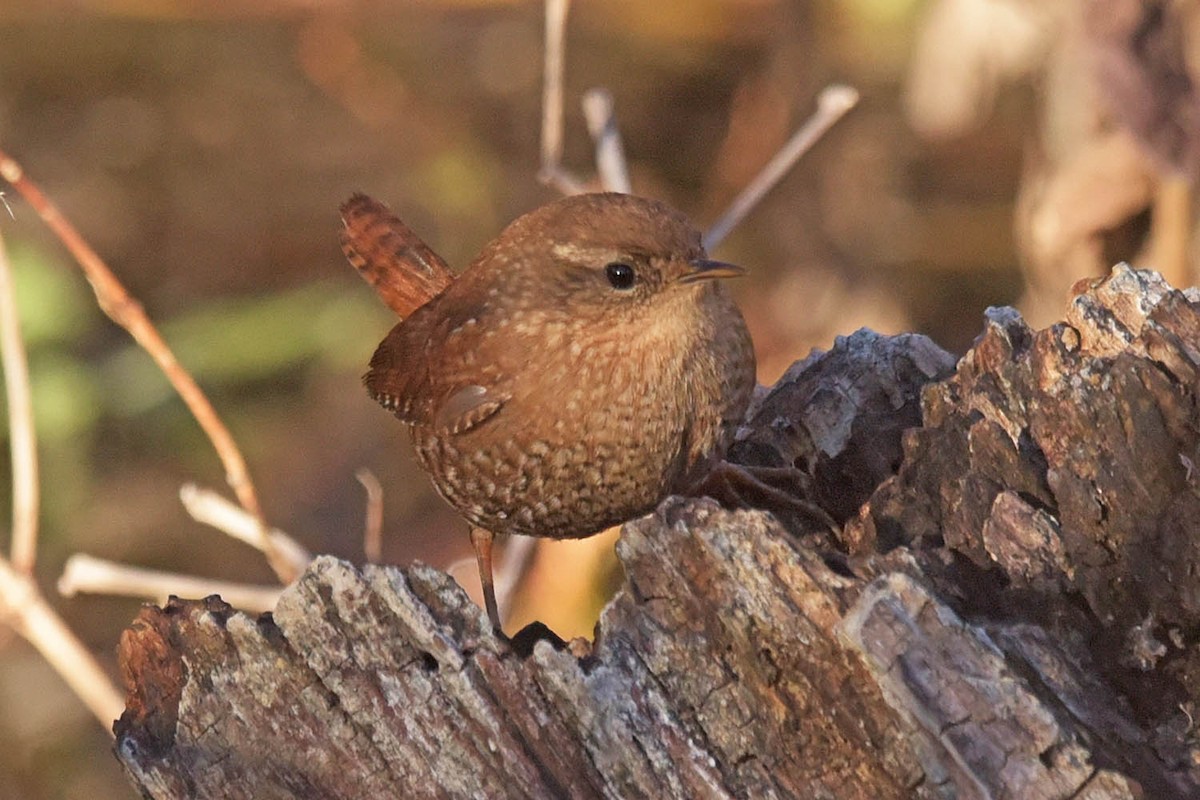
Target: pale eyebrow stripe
581, 254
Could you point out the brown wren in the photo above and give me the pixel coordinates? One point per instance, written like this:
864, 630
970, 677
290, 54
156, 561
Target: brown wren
582, 368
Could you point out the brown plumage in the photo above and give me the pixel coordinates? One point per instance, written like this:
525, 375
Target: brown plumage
583, 367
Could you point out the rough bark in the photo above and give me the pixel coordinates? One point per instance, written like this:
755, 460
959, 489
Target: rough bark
1008, 608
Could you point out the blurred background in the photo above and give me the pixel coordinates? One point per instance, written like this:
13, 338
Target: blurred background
1002, 150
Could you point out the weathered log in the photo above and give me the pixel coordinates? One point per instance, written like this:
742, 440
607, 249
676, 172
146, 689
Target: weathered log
1009, 609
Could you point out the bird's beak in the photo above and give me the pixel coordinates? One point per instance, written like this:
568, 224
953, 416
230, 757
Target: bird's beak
703, 270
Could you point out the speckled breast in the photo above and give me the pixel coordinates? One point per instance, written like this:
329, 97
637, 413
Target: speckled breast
540, 487
600, 445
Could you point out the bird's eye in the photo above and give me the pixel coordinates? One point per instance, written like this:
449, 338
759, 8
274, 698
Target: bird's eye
620, 275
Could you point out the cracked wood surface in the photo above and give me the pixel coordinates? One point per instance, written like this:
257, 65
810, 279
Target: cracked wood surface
1007, 610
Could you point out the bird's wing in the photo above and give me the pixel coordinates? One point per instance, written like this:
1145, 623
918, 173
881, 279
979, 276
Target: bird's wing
426, 371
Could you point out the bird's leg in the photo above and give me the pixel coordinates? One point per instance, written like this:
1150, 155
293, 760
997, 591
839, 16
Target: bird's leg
481, 540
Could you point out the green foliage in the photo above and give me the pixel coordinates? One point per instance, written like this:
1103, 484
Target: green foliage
55, 305
248, 339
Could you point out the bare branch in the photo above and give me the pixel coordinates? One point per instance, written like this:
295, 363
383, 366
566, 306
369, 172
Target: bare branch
117, 303
610, 154
21, 603
832, 104
214, 510
373, 530
23, 440
552, 83
87, 575
552, 172
27, 611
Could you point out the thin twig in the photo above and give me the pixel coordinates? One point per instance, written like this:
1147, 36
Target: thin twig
21, 602
553, 66
552, 82
23, 441
117, 303
553, 59
84, 574
23, 606
373, 529
610, 154
832, 104
212, 509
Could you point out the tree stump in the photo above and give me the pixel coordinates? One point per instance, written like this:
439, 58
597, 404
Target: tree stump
1007, 607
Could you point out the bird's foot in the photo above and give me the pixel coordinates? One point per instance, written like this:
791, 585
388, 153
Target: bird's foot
769, 488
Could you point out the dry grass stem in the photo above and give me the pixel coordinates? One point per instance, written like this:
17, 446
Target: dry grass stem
373, 529
552, 82
610, 153
212, 509
23, 442
123, 309
832, 104
552, 172
23, 607
514, 564
84, 574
